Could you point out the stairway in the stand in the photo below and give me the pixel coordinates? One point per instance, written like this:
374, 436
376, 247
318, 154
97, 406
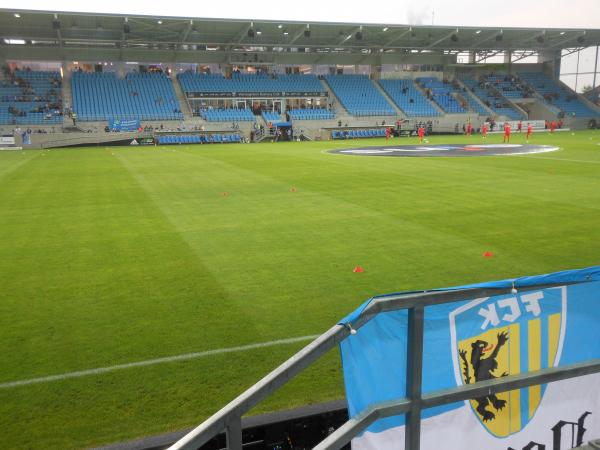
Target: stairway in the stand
182, 99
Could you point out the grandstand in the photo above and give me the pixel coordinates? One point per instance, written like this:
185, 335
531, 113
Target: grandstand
493, 99
353, 134
476, 105
143, 96
409, 98
31, 98
442, 93
199, 83
198, 138
271, 116
311, 114
558, 95
358, 95
226, 115
305, 80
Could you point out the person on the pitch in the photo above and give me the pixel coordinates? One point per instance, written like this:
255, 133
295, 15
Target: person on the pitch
388, 132
552, 126
469, 129
421, 132
484, 130
529, 131
506, 132
519, 126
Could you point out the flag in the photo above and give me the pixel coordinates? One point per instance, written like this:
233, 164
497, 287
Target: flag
479, 339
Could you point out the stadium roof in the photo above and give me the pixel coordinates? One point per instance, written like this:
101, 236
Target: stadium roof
65, 30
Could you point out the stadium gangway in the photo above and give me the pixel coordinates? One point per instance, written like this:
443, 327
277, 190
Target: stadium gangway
229, 418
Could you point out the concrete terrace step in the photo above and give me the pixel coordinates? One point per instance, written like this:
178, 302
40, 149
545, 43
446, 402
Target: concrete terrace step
182, 99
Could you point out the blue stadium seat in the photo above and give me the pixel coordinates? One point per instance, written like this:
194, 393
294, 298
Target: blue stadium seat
359, 96
102, 96
441, 93
409, 98
31, 98
192, 82
557, 95
500, 105
198, 138
311, 114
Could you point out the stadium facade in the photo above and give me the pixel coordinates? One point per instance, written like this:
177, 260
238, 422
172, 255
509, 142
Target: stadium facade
190, 80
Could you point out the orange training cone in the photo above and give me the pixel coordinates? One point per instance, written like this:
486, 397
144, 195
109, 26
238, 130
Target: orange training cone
358, 269
488, 254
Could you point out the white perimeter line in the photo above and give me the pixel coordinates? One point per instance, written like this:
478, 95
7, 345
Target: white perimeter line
151, 362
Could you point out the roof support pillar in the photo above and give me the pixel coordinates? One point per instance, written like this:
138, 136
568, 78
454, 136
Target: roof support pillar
551, 60
508, 59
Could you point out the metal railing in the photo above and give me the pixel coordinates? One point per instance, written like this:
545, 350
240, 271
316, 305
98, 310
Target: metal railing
229, 418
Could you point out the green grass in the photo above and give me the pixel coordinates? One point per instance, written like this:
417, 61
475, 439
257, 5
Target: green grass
114, 255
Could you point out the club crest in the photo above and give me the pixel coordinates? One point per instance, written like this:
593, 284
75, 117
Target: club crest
507, 335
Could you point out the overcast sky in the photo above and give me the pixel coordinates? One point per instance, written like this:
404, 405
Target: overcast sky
523, 13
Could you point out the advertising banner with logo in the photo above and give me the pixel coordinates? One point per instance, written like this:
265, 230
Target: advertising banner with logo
514, 124
7, 140
123, 125
479, 339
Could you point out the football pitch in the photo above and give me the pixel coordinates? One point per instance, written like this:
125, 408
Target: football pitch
142, 288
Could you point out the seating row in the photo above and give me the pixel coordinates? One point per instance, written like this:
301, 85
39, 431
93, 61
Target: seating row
351, 134
199, 138
359, 96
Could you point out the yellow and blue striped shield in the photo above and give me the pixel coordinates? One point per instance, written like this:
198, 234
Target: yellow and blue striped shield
506, 335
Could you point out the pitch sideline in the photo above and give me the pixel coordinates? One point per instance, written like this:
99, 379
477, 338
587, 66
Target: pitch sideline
152, 362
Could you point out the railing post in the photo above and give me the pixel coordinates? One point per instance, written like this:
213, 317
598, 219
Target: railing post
414, 370
233, 432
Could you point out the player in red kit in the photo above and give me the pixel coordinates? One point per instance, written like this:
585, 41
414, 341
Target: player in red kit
506, 132
552, 126
421, 133
388, 131
484, 130
519, 126
529, 131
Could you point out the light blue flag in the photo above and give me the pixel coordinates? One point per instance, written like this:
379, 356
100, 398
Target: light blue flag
479, 339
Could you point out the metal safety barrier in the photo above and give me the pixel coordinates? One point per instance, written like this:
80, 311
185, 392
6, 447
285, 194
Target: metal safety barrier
229, 418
